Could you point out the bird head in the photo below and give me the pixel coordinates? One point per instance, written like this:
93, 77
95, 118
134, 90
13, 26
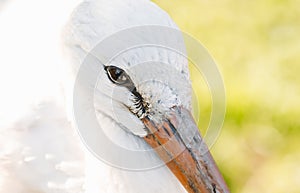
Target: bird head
142, 95
151, 100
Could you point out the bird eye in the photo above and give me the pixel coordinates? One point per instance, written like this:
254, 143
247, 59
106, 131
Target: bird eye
117, 75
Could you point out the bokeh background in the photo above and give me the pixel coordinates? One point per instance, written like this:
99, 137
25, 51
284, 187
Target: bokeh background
256, 45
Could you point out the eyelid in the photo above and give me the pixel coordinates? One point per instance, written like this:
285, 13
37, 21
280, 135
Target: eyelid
122, 77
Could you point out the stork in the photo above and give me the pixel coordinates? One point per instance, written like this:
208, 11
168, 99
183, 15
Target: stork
145, 113
133, 112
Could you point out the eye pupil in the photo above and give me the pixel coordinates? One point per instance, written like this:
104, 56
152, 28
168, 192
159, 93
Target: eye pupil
116, 73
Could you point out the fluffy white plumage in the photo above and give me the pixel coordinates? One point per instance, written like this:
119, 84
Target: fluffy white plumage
41, 153
45, 153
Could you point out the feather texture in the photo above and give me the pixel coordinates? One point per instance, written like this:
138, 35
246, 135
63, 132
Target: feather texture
43, 153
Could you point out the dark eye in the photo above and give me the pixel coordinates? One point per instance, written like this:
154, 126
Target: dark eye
117, 75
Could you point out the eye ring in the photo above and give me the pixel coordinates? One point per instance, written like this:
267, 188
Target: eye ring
117, 75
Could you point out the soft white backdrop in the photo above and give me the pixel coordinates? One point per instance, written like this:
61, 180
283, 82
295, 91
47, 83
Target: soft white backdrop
30, 51
30, 61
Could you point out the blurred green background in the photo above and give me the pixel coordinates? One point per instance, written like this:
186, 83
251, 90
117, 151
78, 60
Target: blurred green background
256, 45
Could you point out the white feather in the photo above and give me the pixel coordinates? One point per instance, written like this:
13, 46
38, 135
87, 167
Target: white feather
43, 153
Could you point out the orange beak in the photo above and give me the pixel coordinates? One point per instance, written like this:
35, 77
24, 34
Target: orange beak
178, 143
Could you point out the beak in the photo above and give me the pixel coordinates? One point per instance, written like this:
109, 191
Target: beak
178, 143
